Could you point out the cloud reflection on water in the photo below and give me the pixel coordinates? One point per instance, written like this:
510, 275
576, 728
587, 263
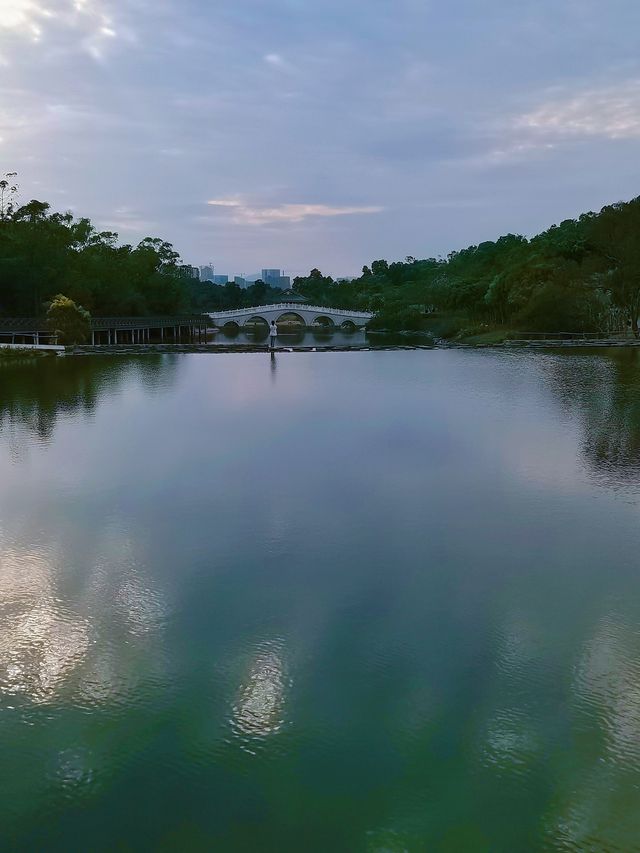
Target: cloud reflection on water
42, 641
259, 708
79, 646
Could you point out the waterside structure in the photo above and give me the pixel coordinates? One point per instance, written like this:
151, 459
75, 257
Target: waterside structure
110, 330
114, 331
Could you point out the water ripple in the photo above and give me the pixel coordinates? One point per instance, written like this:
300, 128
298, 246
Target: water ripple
607, 685
259, 709
41, 641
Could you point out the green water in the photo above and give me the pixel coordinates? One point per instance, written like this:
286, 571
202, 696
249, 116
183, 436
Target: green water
377, 601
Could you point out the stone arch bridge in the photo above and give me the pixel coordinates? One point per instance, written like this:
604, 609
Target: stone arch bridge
312, 316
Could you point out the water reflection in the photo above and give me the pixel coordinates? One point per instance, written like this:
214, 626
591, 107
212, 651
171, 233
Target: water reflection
608, 682
74, 773
295, 337
42, 640
36, 394
510, 744
603, 390
259, 709
456, 620
80, 644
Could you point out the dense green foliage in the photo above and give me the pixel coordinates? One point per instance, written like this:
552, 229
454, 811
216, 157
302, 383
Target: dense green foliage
43, 254
209, 297
581, 275
70, 322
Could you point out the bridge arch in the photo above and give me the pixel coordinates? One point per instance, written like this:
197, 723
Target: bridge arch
323, 322
291, 318
255, 321
348, 326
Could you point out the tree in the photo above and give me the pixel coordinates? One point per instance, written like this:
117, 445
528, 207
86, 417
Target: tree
317, 288
70, 322
379, 267
256, 293
615, 233
8, 191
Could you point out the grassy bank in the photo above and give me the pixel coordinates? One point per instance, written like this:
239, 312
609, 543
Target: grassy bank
11, 355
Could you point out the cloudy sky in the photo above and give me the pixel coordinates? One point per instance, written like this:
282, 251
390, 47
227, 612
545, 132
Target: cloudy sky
299, 133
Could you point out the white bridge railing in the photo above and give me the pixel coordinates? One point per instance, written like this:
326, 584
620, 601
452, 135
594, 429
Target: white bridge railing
291, 306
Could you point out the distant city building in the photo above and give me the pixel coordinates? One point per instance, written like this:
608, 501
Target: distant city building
220, 279
274, 278
271, 277
240, 281
188, 271
206, 273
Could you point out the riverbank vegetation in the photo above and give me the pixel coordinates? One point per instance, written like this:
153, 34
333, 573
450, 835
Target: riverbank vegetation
44, 253
580, 276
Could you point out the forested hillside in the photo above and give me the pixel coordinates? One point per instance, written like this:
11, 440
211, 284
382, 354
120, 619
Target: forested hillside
581, 275
43, 253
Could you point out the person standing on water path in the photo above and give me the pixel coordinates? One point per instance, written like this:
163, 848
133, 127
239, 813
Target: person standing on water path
273, 333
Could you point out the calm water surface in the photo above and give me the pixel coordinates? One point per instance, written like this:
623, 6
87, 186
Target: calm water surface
378, 601
290, 337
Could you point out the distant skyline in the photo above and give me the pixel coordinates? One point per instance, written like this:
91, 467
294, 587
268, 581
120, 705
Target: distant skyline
302, 133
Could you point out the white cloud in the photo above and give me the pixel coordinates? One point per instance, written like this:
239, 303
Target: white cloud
245, 214
23, 16
88, 20
514, 152
612, 112
224, 202
606, 112
129, 221
277, 61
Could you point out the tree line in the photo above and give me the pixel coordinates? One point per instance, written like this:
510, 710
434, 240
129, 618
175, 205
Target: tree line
44, 253
580, 275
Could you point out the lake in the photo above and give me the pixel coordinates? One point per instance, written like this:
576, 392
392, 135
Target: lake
305, 336
363, 601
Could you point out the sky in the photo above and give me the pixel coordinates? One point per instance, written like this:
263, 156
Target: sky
320, 133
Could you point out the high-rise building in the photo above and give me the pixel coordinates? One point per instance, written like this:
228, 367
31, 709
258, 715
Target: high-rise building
275, 278
271, 277
240, 281
206, 272
220, 279
188, 271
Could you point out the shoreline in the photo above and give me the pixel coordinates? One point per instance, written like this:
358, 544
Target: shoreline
150, 349
27, 353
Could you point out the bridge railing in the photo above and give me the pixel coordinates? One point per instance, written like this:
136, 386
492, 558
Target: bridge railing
144, 322
291, 306
20, 324
31, 324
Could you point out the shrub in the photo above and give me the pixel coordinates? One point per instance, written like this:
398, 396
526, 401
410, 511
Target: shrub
70, 322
